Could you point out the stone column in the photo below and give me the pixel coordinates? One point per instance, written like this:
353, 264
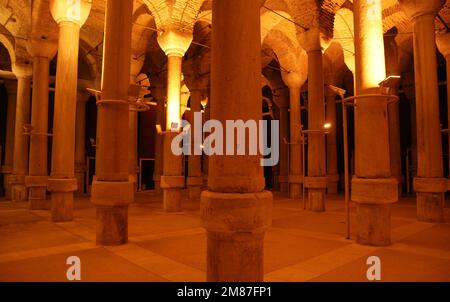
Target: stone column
332, 168
174, 43
429, 184
284, 136
443, 43
316, 180
62, 182
373, 188
195, 179
11, 88
236, 211
294, 82
80, 140
112, 190
135, 68
21, 141
159, 92
42, 51
393, 68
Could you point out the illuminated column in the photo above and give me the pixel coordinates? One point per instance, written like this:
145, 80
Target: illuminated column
373, 189
332, 169
21, 141
429, 184
174, 43
195, 179
62, 182
236, 211
36, 181
316, 180
11, 88
112, 190
294, 82
443, 43
283, 102
80, 140
159, 93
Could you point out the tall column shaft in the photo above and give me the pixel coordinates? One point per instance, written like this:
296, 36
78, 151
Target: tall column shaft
159, 93
62, 182
332, 168
284, 149
38, 174
11, 88
430, 163
172, 180
112, 191
236, 210
80, 137
295, 156
316, 182
21, 141
195, 179
429, 184
373, 189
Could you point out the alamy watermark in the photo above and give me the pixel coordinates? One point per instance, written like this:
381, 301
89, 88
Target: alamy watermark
236, 137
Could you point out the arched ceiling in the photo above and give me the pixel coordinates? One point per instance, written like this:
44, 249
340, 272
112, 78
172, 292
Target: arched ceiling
281, 23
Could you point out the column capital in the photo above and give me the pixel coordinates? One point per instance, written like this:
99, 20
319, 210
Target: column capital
417, 8
22, 70
313, 40
174, 42
443, 43
66, 11
294, 79
135, 67
40, 47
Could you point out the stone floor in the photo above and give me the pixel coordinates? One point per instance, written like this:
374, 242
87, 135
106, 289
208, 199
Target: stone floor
300, 246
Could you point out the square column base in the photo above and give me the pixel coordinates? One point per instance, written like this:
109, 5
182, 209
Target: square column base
172, 192
62, 198
373, 198
430, 207
430, 198
111, 199
373, 223
112, 225
235, 224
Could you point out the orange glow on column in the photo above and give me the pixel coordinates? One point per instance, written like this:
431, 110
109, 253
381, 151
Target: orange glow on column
173, 91
373, 69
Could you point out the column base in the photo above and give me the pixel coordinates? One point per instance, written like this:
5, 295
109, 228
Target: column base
430, 194
316, 199
283, 182
80, 182
6, 171
62, 198
157, 182
19, 191
373, 224
235, 225
111, 199
194, 184
316, 192
295, 186
112, 225
430, 207
172, 192
373, 198
332, 185
37, 192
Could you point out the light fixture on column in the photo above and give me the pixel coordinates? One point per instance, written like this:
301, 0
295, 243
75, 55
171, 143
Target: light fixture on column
389, 83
